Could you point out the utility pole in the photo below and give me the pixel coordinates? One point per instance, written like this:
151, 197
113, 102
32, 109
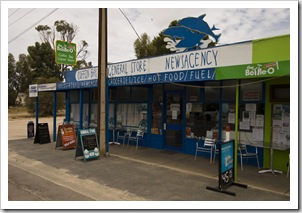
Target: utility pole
102, 87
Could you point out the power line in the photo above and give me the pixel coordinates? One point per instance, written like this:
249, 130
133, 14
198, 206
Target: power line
33, 25
21, 17
13, 12
130, 24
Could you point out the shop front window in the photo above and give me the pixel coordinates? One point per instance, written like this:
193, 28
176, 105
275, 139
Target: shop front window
250, 91
251, 112
132, 115
201, 118
211, 91
111, 115
193, 94
229, 91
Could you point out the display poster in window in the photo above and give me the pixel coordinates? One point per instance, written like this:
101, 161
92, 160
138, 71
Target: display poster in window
225, 108
231, 118
244, 125
252, 118
259, 120
189, 107
257, 134
251, 96
175, 107
251, 107
174, 115
281, 124
246, 116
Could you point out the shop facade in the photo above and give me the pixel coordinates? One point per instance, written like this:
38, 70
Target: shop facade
179, 97
175, 99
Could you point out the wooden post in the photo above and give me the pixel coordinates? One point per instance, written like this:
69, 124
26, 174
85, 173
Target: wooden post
102, 66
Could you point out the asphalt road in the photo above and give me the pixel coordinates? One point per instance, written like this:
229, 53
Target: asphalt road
25, 186
39, 172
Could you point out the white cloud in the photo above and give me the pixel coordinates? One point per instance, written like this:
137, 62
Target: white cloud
235, 24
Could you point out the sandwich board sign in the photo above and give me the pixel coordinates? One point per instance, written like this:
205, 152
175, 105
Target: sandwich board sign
65, 53
87, 144
42, 134
226, 169
66, 137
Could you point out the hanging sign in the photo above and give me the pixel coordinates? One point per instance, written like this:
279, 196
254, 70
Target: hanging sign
66, 137
65, 53
87, 144
33, 90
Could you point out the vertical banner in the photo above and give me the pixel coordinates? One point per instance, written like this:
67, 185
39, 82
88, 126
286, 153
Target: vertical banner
226, 165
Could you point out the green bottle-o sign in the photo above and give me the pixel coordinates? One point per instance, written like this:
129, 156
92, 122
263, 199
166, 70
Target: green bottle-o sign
65, 53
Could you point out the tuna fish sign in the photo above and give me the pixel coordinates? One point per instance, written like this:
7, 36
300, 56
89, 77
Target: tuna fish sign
189, 34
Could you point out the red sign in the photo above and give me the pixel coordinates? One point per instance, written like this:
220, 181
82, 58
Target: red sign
68, 136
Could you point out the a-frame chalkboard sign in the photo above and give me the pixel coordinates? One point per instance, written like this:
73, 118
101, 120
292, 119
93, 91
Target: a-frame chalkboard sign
87, 144
66, 137
226, 169
42, 134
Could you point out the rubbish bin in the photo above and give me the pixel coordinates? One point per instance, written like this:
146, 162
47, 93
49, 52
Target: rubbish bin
30, 129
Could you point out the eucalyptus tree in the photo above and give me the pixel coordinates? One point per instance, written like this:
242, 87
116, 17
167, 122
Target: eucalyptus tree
12, 80
64, 31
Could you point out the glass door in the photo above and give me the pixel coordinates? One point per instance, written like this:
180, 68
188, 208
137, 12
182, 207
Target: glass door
173, 117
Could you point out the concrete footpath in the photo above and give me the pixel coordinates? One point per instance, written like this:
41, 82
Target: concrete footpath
145, 174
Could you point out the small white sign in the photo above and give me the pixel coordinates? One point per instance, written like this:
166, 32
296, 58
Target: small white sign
33, 90
47, 87
175, 107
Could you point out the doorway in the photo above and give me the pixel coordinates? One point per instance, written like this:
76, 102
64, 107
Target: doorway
173, 120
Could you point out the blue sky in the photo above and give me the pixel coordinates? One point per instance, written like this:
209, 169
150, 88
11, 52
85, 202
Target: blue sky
235, 24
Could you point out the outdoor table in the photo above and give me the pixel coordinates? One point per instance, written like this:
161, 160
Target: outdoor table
113, 138
272, 147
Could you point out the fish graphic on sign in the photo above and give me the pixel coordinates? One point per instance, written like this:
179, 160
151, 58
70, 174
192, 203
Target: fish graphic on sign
189, 34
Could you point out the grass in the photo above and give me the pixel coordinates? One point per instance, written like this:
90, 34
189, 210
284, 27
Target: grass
21, 112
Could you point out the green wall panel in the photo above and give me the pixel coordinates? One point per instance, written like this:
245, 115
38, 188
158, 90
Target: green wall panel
271, 49
259, 70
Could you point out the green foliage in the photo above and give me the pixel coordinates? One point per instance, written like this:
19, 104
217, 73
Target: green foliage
39, 67
66, 30
143, 47
12, 80
24, 72
42, 61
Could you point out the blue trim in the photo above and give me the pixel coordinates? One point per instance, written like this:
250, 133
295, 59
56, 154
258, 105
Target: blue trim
164, 77
89, 106
37, 112
149, 113
106, 110
81, 110
176, 127
54, 115
67, 110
